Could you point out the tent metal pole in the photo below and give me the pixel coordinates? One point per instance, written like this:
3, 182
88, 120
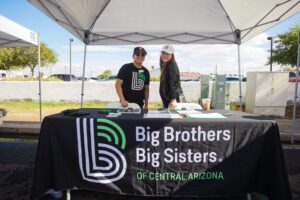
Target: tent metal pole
249, 196
68, 194
83, 75
39, 71
296, 93
240, 78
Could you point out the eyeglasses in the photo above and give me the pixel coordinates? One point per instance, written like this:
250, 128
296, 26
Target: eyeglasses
140, 54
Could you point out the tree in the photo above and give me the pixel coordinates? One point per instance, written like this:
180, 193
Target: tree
105, 74
21, 57
7, 58
285, 52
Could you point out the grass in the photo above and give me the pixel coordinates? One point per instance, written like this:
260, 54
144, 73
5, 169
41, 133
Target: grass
28, 110
29, 106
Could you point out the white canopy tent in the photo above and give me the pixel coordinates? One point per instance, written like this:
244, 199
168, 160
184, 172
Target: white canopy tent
14, 35
167, 21
122, 22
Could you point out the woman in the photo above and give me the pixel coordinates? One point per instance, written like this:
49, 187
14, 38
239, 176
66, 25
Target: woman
169, 89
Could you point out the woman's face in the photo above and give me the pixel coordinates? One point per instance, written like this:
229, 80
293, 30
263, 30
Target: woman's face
165, 57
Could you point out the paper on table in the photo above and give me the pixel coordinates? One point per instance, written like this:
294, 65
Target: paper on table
170, 116
113, 115
162, 115
185, 112
206, 116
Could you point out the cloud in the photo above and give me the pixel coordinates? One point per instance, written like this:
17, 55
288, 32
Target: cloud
201, 58
102, 48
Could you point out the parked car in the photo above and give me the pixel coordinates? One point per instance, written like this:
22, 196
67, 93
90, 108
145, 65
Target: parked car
3, 112
95, 79
85, 79
232, 79
64, 77
293, 75
112, 77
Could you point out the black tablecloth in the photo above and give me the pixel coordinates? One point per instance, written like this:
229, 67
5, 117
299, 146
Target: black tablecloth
133, 155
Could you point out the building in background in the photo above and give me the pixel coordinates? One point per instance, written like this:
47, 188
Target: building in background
14, 74
190, 76
184, 76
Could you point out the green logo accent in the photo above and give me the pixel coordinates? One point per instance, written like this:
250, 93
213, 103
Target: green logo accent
141, 76
113, 135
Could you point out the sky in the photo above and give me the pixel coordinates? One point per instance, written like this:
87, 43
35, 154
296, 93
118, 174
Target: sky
205, 59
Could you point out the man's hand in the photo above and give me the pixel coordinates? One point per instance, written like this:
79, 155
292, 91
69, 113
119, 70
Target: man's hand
124, 103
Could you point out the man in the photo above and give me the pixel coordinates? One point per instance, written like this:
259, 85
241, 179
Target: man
133, 79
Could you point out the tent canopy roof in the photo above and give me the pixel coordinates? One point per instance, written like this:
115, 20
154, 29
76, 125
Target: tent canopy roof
167, 21
13, 34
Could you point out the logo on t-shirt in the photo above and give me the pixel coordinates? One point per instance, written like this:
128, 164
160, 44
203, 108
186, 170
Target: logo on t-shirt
137, 82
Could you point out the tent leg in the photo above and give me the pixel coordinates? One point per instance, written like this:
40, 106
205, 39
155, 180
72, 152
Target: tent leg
39, 71
68, 195
296, 94
249, 196
83, 75
240, 78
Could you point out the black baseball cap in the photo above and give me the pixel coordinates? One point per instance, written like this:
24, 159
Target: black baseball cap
138, 50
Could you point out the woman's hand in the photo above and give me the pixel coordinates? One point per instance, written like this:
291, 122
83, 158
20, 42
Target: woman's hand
172, 104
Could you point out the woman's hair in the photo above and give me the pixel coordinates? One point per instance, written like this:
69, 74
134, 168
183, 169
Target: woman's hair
163, 66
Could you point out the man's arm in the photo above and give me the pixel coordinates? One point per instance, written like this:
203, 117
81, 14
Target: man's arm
119, 90
146, 96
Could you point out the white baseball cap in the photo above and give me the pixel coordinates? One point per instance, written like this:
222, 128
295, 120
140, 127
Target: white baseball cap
168, 49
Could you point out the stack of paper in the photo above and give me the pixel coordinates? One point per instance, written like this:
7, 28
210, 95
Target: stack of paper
206, 115
113, 115
186, 112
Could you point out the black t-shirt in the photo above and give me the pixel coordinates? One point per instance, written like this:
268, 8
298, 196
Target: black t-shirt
134, 82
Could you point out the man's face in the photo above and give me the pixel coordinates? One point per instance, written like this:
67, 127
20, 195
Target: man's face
139, 57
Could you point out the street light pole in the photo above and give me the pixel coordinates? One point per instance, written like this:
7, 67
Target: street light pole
271, 52
71, 40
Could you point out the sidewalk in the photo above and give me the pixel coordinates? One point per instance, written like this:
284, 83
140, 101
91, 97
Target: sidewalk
19, 129
285, 129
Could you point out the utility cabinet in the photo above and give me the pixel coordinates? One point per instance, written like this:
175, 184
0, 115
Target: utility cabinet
266, 93
227, 96
204, 86
218, 98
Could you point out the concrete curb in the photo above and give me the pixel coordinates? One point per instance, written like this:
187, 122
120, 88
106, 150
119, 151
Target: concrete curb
20, 130
287, 137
